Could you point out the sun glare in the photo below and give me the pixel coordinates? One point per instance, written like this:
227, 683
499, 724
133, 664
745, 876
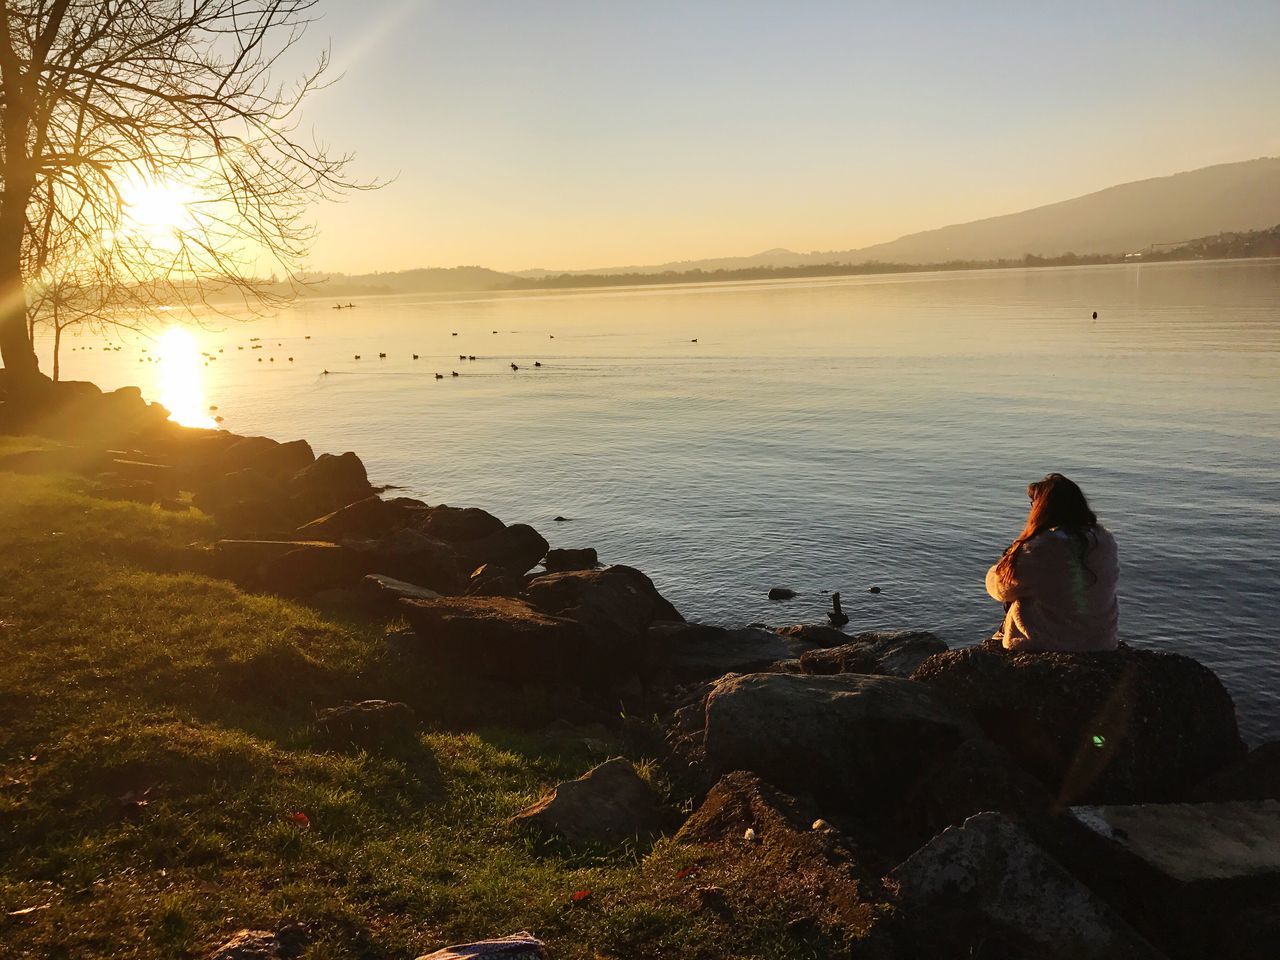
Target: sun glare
181, 382
160, 211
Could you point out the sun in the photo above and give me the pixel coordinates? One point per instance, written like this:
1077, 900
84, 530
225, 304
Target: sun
160, 211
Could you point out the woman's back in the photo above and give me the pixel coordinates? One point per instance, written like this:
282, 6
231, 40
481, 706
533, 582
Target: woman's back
1060, 591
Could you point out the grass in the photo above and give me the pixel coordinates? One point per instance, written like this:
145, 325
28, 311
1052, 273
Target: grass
156, 743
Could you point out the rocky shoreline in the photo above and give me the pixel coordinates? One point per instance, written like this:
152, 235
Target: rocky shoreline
938, 802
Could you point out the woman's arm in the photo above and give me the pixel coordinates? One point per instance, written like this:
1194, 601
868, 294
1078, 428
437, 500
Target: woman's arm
1037, 558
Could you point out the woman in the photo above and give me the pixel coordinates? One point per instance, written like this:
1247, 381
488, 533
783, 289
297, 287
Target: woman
1058, 579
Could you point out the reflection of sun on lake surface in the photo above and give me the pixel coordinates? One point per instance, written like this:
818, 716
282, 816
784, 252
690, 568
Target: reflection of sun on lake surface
180, 382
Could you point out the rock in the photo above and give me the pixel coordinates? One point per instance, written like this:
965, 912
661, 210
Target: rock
284, 944
988, 882
558, 561
1250, 934
817, 634
497, 638
781, 593
311, 567
366, 519
692, 651
815, 873
458, 524
242, 560
1254, 777
412, 557
1122, 726
607, 804
163, 477
1176, 871
615, 607
387, 591
518, 946
893, 654
247, 500
977, 777
853, 742
275, 459
249, 945
329, 483
367, 723
491, 581
516, 549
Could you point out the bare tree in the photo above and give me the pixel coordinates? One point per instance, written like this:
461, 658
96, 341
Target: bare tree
103, 98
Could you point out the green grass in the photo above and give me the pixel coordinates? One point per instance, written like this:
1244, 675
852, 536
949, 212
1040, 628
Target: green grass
156, 738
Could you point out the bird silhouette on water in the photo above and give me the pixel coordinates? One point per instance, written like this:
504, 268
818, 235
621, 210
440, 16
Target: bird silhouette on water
439, 376
455, 373
514, 367
415, 356
357, 356
537, 363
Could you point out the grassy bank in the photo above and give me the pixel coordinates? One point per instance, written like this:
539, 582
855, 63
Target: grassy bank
157, 745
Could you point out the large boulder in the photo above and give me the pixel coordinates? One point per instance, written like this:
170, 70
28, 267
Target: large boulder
310, 568
457, 524
384, 591
365, 519
412, 557
332, 481
892, 654
1254, 777
279, 460
1119, 727
498, 638
609, 803
515, 549
987, 886
854, 742
688, 652
615, 606
1178, 872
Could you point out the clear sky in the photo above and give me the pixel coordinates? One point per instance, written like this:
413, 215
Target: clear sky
598, 133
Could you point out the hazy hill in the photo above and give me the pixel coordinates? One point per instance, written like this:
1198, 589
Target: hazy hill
421, 280
1120, 219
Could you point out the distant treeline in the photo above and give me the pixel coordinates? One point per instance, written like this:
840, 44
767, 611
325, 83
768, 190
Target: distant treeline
1224, 246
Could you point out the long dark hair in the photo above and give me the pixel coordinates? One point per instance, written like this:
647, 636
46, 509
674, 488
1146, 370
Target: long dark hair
1058, 503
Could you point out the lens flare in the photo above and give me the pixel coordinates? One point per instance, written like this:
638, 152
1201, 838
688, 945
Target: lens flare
180, 380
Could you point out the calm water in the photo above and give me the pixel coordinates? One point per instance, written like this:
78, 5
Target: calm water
825, 435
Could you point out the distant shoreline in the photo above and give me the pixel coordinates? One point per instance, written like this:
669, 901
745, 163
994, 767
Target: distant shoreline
1252, 245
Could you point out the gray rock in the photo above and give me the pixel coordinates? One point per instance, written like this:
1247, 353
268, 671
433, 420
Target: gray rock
817, 634
990, 874
1254, 777
607, 804
410, 556
249, 945
517, 946
888, 653
366, 519
851, 741
690, 652
386, 590
328, 483
781, 593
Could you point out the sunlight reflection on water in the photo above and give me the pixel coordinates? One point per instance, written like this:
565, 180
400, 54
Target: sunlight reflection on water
180, 378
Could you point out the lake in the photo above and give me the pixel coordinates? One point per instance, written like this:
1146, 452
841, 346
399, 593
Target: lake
832, 434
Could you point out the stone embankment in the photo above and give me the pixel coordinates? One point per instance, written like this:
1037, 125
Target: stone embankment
936, 802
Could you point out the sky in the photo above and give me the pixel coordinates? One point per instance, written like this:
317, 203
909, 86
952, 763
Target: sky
572, 135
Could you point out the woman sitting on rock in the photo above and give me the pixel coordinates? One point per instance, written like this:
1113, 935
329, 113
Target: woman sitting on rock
1058, 579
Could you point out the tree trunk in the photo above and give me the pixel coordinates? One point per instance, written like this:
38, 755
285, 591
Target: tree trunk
57, 346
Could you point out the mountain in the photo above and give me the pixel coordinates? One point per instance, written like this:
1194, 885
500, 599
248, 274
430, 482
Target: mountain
420, 280
1121, 219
